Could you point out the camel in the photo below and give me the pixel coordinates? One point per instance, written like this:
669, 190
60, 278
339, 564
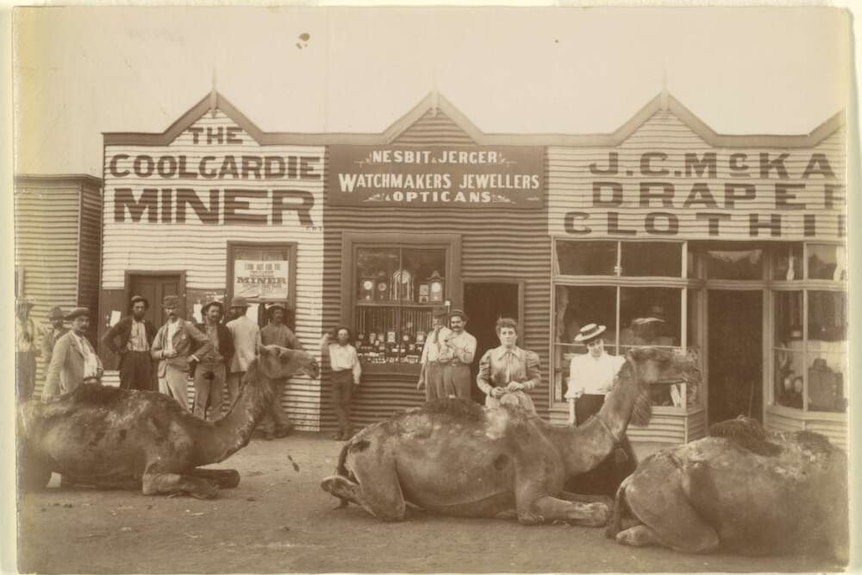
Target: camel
454, 457
112, 438
743, 490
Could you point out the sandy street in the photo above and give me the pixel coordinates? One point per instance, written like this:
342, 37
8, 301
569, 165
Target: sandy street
279, 520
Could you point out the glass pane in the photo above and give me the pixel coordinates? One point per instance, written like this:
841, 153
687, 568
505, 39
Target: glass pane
827, 262
420, 270
827, 372
650, 316
788, 262
827, 316
789, 370
734, 264
586, 258
374, 269
575, 308
651, 259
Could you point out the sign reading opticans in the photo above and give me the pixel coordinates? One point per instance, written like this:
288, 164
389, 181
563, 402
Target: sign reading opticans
469, 176
752, 194
215, 175
264, 280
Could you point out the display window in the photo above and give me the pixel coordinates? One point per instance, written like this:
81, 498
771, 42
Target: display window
635, 311
810, 330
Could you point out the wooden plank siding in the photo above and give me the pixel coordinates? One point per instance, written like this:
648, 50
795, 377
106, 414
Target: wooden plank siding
52, 214
786, 420
201, 249
495, 243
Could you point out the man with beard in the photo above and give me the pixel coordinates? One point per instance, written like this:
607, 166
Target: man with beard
172, 347
209, 374
276, 422
74, 361
131, 338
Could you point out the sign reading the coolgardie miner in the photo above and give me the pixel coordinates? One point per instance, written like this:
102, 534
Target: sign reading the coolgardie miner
262, 280
451, 176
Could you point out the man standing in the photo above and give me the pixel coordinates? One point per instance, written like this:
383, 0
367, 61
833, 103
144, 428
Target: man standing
346, 373
53, 333
431, 372
26, 349
456, 355
172, 346
276, 422
246, 339
74, 361
209, 374
131, 338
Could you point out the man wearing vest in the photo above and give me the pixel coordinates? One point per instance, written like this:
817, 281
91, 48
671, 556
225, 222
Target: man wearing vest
456, 354
209, 373
131, 338
431, 371
74, 361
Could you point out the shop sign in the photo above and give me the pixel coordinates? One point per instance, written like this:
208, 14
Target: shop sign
451, 176
261, 280
744, 195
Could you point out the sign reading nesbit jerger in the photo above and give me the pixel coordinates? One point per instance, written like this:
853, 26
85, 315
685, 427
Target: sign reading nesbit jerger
455, 176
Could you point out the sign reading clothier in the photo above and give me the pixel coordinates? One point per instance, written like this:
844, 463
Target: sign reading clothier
456, 176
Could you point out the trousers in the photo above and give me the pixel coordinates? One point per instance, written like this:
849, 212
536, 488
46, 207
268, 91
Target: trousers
456, 381
209, 389
434, 381
175, 384
342, 393
136, 370
25, 366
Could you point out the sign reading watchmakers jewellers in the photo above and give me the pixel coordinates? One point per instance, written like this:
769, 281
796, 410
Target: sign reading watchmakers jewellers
455, 176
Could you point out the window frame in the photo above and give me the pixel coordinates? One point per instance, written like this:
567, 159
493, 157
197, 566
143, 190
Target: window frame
230, 257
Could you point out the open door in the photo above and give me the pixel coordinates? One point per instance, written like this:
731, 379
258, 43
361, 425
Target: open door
155, 288
735, 356
484, 304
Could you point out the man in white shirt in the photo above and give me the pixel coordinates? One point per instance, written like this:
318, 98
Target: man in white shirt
346, 373
246, 341
74, 361
456, 354
431, 371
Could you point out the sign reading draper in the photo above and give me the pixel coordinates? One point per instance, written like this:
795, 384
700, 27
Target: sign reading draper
456, 176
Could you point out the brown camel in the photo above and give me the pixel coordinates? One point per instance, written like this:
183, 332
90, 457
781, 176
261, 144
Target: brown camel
744, 490
123, 439
456, 458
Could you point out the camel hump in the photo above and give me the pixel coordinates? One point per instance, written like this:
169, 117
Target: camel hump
97, 394
456, 408
746, 433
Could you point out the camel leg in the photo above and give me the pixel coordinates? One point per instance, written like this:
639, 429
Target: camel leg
615, 522
383, 500
224, 478
155, 483
639, 536
585, 498
548, 508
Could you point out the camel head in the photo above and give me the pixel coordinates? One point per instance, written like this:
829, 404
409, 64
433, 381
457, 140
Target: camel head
278, 362
654, 365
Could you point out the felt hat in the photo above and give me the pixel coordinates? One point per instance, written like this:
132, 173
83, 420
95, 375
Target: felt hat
440, 312
460, 313
78, 312
589, 332
239, 301
171, 301
56, 312
136, 298
211, 303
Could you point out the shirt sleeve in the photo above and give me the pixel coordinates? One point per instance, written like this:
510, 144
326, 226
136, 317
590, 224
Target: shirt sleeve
357, 367
467, 353
575, 388
52, 381
534, 371
483, 379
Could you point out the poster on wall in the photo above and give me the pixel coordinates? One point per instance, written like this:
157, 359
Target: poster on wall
261, 280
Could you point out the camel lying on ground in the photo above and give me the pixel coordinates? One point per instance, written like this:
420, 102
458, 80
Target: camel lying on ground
744, 490
122, 439
454, 457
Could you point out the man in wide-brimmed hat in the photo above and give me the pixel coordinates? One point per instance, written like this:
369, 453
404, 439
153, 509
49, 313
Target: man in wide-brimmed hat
210, 373
276, 422
173, 347
74, 361
26, 349
55, 329
132, 338
457, 353
246, 340
431, 370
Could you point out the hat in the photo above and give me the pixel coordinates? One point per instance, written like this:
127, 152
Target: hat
56, 312
78, 312
278, 305
238, 301
210, 303
440, 312
460, 313
136, 298
589, 332
27, 301
171, 301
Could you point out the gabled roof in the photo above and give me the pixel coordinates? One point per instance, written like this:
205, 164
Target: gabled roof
435, 103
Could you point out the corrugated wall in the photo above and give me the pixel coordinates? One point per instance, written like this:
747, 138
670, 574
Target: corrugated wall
90, 248
495, 243
201, 249
785, 421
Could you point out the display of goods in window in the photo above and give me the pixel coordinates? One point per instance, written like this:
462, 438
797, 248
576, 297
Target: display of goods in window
402, 286
436, 285
424, 293
382, 289
366, 289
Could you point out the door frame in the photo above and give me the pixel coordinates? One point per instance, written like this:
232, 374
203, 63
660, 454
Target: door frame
500, 280
127, 286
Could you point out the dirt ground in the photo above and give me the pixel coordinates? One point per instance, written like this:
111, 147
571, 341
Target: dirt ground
279, 520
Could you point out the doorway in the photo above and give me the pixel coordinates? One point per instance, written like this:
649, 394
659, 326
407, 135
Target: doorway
735, 356
155, 287
484, 304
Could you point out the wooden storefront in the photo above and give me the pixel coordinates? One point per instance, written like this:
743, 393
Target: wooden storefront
58, 243
426, 206
671, 234
211, 208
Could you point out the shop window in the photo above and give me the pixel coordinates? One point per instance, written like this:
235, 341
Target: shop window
789, 373
788, 262
629, 259
263, 273
587, 258
826, 262
396, 289
651, 259
734, 264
